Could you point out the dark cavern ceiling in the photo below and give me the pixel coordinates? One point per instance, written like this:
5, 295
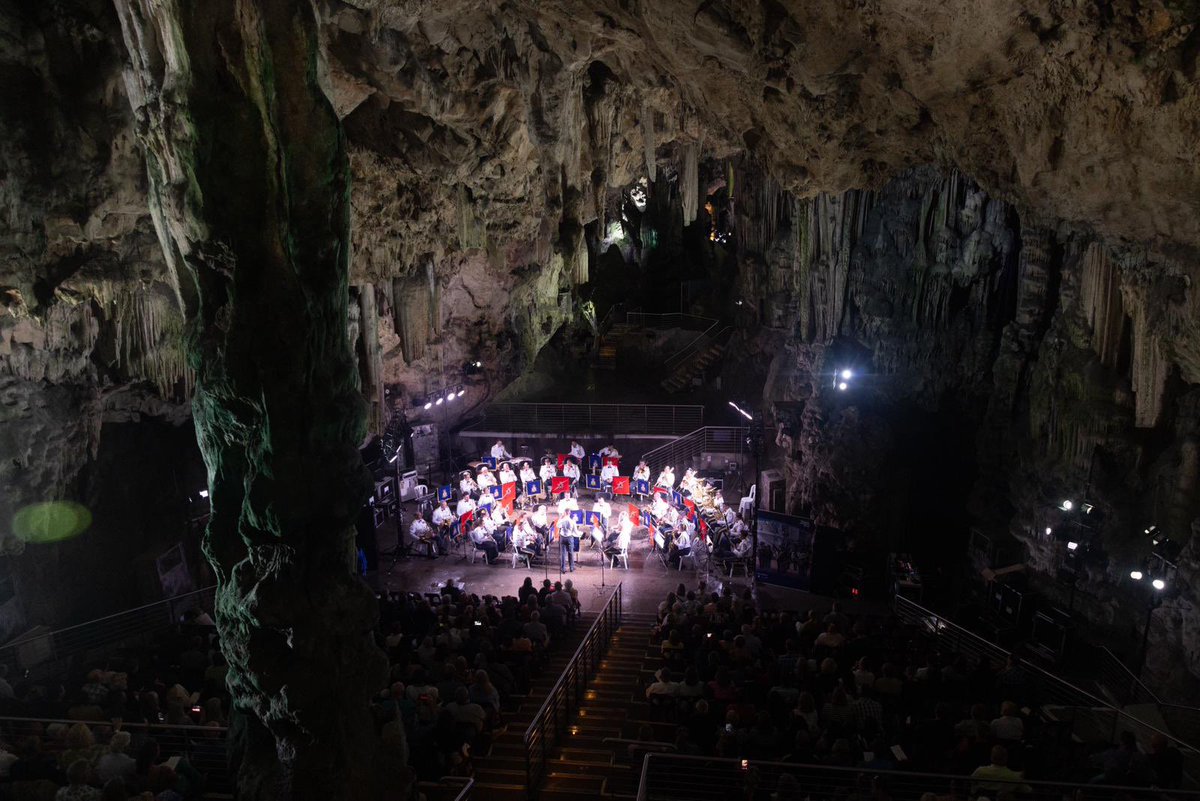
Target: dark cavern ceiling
995, 202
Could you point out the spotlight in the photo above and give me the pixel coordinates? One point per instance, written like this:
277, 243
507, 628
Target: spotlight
203, 493
847, 375
1072, 545
438, 402
1158, 584
462, 392
428, 405
1136, 575
1049, 531
842, 386
1067, 506
450, 396
742, 411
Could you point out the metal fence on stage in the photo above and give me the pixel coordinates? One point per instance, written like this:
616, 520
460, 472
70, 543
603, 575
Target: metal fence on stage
682, 452
579, 418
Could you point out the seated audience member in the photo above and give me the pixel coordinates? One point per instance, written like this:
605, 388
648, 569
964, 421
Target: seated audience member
998, 780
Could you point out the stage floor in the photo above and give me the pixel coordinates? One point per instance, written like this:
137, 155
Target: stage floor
646, 582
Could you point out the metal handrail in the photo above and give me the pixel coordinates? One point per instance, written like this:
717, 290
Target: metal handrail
465, 783
573, 418
552, 716
694, 777
1063, 692
709, 439
691, 347
49, 648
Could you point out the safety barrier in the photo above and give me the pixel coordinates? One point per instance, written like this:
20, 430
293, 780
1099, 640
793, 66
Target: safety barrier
673, 777
577, 418
710, 439
43, 653
1126, 689
552, 719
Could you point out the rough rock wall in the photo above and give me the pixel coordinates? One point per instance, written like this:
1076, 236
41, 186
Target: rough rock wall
1068, 363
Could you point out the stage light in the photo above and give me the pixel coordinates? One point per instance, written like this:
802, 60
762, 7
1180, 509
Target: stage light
742, 411
428, 405
462, 392
1159, 584
438, 402
847, 375
450, 396
842, 386
1136, 575
203, 493
1072, 545
1049, 531
1067, 506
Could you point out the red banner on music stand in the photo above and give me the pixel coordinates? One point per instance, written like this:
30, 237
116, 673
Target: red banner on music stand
662, 491
562, 458
703, 529
508, 495
560, 485
464, 520
620, 485
691, 507
635, 514
615, 461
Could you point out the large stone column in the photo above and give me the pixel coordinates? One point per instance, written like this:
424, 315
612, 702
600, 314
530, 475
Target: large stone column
249, 188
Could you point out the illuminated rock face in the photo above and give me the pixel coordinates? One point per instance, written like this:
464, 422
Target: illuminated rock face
1042, 274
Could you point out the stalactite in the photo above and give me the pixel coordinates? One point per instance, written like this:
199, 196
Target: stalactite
372, 366
148, 339
649, 143
1101, 296
690, 180
1149, 365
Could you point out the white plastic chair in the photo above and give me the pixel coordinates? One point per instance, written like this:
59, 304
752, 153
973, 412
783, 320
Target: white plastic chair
747, 502
623, 555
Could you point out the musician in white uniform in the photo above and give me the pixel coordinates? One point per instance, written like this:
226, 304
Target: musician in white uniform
666, 478
608, 473
527, 475
525, 538
465, 506
688, 482
485, 480
482, 540
577, 452
499, 452
642, 471
507, 476
659, 505
547, 472
728, 515
467, 485
443, 522
567, 505
609, 451
601, 508
624, 536
682, 546
501, 528
422, 533
541, 522
571, 471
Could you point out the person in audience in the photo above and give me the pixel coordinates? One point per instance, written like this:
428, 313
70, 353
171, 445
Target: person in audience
536, 631
117, 764
997, 779
1009, 727
77, 788
663, 687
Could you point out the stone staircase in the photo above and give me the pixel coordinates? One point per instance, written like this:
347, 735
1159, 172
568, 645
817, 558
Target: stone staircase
693, 366
584, 766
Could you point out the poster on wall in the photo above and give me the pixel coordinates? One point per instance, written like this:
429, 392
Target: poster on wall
784, 550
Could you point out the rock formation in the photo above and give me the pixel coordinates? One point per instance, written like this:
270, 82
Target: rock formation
988, 206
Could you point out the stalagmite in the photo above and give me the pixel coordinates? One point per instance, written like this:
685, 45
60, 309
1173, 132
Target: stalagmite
261, 254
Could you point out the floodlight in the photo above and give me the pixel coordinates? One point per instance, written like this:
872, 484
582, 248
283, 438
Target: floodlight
1136, 575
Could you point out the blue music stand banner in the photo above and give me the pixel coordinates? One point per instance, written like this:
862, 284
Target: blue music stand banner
592, 482
577, 515
677, 499
495, 492
642, 487
445, 493
490, 461
533, 488
594, 519
594, 462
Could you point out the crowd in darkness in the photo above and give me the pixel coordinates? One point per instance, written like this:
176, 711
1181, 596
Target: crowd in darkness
821, 686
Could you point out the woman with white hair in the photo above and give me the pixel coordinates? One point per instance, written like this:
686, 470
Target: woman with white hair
116, 764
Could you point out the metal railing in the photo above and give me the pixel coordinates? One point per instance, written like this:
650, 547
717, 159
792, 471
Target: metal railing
701, 340
673, 777
1127, 689
679, 453
447, 788
573, 418
43, 653
552, 719
1089, 716
204, 747
668, 320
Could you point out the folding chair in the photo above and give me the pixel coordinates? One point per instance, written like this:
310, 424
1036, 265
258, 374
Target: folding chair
623, 555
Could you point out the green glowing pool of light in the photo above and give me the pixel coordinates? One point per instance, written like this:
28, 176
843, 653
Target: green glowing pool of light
52, 521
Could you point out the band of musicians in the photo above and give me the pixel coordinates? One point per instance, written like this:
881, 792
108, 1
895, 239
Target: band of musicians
574, 502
